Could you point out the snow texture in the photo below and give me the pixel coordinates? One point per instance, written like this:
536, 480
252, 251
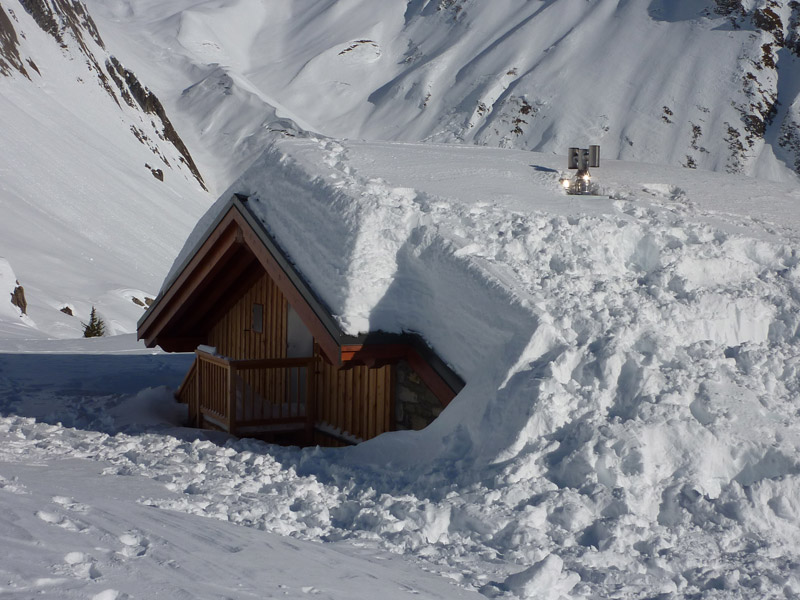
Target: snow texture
631, 360
629, 427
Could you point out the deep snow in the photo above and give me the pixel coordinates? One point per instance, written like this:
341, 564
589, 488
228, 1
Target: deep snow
629, 425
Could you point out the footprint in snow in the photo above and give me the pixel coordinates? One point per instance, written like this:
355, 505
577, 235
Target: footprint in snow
61, 521
133, 545
11, 486
82, 566
70, 504
110, 594
310, 589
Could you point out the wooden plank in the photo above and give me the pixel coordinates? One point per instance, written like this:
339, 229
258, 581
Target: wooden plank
186, 383
310, 403
210, 358
391, 421
197, 420
231, 408
346, 389
358, 389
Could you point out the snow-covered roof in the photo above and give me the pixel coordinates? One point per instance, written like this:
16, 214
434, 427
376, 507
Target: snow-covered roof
446, 240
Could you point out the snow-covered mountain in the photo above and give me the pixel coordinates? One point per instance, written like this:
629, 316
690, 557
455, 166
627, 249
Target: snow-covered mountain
629, 424
699, 83
97, 188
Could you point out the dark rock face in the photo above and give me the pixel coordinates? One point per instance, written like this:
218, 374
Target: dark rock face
132, 90
18, 299
69, 23
9, 48
768, 114
728, 7
59, 16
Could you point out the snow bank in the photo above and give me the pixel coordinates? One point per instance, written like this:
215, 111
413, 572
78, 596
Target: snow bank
632, 368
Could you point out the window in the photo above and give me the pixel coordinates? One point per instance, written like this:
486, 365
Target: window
258, 318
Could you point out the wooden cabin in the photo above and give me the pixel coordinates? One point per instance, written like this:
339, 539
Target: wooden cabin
271, 361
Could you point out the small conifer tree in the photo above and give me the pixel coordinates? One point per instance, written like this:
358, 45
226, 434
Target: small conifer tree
96, 327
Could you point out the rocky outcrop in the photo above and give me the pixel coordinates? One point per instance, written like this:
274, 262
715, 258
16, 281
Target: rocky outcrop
58, 17
18, 299
74, 30
135, 94
10, 59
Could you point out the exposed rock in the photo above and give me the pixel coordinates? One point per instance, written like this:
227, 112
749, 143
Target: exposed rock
9, 47
18, 299
728, 7
132, 89
56, 17
66, 310
157, 173
415, 405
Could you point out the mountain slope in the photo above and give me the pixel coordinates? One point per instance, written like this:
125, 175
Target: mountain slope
97, 188
710, 85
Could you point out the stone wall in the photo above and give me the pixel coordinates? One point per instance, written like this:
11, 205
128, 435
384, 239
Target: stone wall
415, 405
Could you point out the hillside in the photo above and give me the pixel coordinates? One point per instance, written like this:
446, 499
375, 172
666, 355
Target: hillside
97, 189
701, 83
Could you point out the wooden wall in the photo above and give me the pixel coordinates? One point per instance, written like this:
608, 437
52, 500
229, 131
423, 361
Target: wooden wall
232, 335
358, 401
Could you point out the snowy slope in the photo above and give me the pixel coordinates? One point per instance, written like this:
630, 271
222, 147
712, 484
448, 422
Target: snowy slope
710, 85
85, 220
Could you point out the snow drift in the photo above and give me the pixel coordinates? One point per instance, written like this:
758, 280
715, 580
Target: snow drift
631, 362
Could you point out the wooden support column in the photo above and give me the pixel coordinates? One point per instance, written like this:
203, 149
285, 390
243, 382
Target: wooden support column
232, 399
311, 400
196, 415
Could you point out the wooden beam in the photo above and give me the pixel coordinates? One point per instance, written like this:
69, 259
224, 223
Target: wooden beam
204, 264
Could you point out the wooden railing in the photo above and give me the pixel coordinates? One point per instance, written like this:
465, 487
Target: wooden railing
250, 396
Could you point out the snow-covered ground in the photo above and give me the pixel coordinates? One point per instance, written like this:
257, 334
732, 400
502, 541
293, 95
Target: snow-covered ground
85, 461
629, 425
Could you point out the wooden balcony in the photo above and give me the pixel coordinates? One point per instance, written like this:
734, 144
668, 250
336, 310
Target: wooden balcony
250, 397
